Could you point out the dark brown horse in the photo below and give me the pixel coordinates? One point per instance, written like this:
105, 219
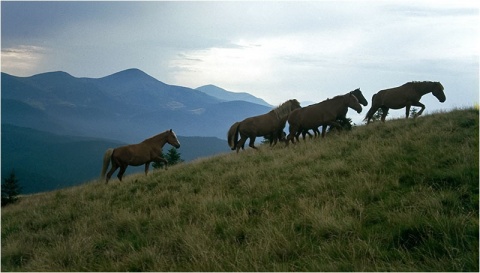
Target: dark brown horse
323, 113
270, 124
406, 95
361, 99
138, 154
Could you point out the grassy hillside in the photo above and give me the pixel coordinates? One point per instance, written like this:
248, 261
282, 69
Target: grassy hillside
399, 196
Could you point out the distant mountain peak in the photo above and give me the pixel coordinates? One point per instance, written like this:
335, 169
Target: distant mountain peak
225, 95
210, 86
53, 75
129, 78
130, 73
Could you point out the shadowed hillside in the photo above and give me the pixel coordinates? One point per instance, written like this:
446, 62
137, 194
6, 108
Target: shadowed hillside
399, 196
44, 161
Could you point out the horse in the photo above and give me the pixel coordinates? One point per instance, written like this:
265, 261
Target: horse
406, 95
361, 99
144, 152
269, 124
322, 113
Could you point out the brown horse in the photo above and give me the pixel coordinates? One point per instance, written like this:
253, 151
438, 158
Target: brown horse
269, 124
406, 95
138, 154
361, 99
322, 113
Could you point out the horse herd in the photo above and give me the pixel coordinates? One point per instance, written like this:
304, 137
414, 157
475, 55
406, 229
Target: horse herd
271, 124
327, 112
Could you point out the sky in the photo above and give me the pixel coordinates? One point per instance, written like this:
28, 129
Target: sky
275, 50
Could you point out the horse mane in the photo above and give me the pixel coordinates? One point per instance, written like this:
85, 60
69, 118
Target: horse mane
153, 138
424, 84
338, 97
284, 109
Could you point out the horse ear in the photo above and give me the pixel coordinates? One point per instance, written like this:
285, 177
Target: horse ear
170, 130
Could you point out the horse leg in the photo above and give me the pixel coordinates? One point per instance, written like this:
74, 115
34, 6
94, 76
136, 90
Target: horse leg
419, 104
252, 142
121, 172
283, 137
273, 139
112, 170
276, 138
407, 110
304, 133
292, 133
384, 113
146, 167
371, 112
297, 135
332, 123
161, 159
241, 142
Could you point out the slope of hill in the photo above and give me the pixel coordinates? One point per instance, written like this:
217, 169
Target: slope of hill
399, 196
44, 161
225, 95
123, 106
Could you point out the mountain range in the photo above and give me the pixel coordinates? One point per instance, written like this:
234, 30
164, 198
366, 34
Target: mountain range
226, 95
56, 127
126, 106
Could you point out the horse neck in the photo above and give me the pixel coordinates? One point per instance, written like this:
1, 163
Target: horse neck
283, 110
159, 139
423, 88
339, 102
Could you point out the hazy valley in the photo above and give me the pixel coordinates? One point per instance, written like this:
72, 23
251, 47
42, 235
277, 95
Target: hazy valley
56, 127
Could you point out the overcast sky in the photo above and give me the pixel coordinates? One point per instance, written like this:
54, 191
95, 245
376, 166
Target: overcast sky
274, 50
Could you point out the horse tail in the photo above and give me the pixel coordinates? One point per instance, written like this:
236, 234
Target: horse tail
372, 109
106, 161
233, 135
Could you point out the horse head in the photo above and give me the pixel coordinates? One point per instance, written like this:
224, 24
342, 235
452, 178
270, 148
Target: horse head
353, 103
294, 104
438, 92
172, 139
358, 94
286, 108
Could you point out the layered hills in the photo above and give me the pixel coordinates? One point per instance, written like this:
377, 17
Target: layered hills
56, 127
126, 106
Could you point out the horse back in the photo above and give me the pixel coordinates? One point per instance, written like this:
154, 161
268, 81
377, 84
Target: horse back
314, 115
260, 125
396, 97
136, 154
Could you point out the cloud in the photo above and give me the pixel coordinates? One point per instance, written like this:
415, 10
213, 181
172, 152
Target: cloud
23, 59
312, 49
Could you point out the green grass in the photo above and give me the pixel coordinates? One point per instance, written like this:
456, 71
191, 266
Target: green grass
399, 196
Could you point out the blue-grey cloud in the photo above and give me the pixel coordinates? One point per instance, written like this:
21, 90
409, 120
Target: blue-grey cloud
313, 49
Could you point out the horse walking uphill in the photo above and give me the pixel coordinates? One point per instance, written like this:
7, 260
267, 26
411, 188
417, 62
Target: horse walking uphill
406, 95
322, 113
138, 154
269, 124
361, 99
